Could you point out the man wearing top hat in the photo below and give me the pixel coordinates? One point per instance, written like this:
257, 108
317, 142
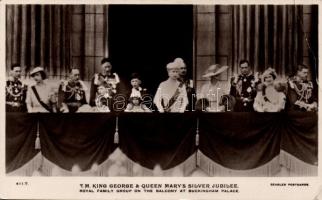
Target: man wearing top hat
72, 92
243, 88
16, 91
105, 76
191, 93
211, 93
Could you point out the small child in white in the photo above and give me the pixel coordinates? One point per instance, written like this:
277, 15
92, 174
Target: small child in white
135, 105
103, 98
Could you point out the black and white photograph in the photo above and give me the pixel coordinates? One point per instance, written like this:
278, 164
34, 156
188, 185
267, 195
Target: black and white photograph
162, 90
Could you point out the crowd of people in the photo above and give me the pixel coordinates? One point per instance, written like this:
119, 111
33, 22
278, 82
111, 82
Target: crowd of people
245, 92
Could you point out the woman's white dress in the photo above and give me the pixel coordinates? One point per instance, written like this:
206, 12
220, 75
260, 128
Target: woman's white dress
165, 92
272, 101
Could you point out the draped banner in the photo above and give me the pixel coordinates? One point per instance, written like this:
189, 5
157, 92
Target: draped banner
258, 143
300, 137
80, 139
153, 139
240, 141
20, 140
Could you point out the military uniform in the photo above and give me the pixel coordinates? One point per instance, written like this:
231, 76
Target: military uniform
300, 95
244, 90
73, 94
191, 94
16, 93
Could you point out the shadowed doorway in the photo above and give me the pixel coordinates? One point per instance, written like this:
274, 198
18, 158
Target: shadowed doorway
144, 38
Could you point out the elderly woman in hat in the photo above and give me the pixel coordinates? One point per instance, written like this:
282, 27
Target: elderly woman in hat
41, 97
269, 97
171, 95
212, 92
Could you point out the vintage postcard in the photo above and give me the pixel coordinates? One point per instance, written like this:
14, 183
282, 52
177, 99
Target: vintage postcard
160, 100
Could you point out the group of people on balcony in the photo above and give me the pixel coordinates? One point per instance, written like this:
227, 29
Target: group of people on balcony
245, 93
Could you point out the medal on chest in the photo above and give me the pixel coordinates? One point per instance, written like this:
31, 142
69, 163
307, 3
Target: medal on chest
249, 89
15, 90
78, 96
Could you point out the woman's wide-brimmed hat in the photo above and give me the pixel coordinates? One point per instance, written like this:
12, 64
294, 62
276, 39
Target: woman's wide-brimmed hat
214, 70
38, 69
